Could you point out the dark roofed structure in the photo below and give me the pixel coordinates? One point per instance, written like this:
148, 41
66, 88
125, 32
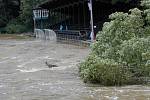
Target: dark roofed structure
75, 15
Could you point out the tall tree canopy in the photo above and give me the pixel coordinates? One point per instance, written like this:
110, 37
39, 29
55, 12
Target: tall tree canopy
8, 10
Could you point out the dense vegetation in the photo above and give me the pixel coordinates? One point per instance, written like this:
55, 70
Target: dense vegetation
8, 10
121, 53
22, 20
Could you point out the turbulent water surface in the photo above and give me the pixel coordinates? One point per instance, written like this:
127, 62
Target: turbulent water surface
24, 74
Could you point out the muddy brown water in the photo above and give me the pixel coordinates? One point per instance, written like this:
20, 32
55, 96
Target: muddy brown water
25, 76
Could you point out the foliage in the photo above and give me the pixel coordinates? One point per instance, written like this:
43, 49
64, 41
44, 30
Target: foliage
104, 71
121, 53
9, 9
24, 21
3, 21
134, 54
15, 28
26, 10
115, 1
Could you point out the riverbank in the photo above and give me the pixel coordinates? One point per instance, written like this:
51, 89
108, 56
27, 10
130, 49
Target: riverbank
14, 36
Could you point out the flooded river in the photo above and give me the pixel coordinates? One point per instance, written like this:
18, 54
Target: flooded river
24, 74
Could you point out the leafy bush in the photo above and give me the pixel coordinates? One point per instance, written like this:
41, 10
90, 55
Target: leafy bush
115, 1
104, 71
3, 21
24, 22
135, 55
121, 52
17, 26
13, 28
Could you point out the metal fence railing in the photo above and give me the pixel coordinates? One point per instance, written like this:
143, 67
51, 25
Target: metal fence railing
67, 37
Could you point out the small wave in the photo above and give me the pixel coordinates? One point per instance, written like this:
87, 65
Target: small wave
14, 58
45, 57
112, 98
33, 60
64, 67
1, 86
4, 60
45, 84
30, 70
28, 62
7, 59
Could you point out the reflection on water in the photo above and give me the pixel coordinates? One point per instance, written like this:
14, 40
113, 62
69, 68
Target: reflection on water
25, 76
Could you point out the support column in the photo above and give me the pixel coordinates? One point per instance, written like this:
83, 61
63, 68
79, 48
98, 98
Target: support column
79, 16
67, 14
92, 24
50, 20
62, 15
84, 20
65, 17
54, 18
41, 19
59, 14
73, 15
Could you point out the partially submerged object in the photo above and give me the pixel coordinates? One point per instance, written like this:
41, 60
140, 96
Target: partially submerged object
50, 65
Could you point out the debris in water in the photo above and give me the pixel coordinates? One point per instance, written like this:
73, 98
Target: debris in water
50, 65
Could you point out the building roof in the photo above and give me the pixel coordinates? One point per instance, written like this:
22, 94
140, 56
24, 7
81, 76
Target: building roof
59, 1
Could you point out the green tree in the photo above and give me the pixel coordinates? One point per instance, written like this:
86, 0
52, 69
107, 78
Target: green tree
8, 10
121, 53
26, 10
24, 21
115, 1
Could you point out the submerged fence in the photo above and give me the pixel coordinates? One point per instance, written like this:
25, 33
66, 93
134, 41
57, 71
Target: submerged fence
67, 37
45, 34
